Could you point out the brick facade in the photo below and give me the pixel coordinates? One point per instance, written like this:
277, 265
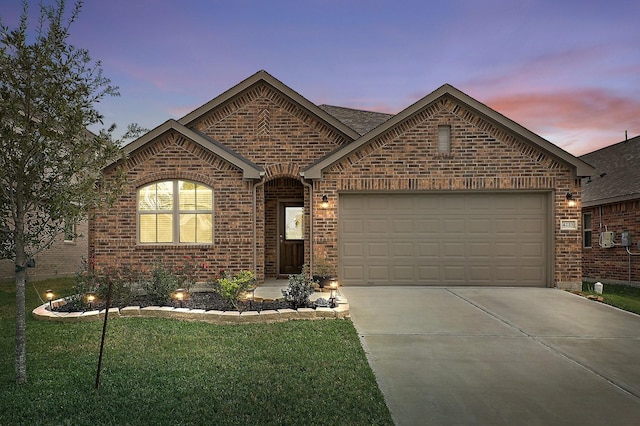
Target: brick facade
613, 264
281, 135
482, 158
282, 140
64, 258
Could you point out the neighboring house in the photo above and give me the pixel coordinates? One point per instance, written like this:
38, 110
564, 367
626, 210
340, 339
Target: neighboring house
63, 258
446, 192
611, 204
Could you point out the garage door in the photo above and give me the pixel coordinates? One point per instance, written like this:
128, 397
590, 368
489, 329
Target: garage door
478, 239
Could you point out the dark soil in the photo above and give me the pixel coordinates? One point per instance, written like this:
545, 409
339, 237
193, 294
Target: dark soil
197, 300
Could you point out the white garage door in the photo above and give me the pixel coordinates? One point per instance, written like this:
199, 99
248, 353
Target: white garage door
478, 239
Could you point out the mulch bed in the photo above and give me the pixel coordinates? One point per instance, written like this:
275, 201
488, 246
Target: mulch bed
197, 300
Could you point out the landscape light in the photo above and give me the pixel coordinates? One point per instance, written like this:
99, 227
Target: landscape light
179, 295
49, 295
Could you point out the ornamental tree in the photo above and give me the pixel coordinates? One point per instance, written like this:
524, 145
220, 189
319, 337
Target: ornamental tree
50, 164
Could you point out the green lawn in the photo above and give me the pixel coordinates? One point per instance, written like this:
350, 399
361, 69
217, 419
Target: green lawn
159, 371
621, 296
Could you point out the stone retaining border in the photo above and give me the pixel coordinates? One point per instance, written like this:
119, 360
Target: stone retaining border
185, 314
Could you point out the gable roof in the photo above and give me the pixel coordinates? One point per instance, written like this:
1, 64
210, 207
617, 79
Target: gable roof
359, 120
580, 167
264, 77
617, 176
249, 169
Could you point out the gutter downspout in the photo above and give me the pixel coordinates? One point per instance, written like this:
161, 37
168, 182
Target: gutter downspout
255, 224
310, 186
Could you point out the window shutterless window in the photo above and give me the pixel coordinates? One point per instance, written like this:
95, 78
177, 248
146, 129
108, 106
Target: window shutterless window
587, 231
69, 230
444, 140
175, 211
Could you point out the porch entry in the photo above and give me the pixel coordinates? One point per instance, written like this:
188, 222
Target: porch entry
291, 237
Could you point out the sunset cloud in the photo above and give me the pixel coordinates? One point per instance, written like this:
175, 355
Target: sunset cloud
591, 117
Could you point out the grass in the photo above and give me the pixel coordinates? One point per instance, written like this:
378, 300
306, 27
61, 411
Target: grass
618, 295
160, 371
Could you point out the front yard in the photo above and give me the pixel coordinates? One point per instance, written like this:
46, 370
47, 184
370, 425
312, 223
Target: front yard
158, 371
621, 296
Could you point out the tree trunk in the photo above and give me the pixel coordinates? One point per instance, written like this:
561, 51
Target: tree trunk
21, 317
21, 284
21, 325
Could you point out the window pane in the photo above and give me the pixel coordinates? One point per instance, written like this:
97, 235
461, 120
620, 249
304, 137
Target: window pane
147, 228
587, 239
187, 228
187, 195
205, 228
294, 223
204, 198
165, 228
164, 195
587, 221
147, 198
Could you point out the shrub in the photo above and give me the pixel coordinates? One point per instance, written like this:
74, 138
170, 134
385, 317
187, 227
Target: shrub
300, 287
162, 283
122, 281
231, 288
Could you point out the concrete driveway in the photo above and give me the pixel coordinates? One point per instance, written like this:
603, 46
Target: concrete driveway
491, 356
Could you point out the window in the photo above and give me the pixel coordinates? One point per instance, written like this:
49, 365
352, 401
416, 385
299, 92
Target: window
444, 140
586, 230
294, 223
69, 231
175, 211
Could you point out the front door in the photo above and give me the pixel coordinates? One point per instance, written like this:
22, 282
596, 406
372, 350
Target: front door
291, 235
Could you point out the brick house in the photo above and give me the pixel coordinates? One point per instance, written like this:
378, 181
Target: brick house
611, 203
63, 258
446, 192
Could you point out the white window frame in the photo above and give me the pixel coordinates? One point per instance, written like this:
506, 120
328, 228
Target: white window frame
175, 212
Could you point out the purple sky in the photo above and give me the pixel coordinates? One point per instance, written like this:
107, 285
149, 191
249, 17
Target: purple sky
568, 70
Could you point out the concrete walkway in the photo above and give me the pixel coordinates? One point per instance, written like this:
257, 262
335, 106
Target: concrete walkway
499, 356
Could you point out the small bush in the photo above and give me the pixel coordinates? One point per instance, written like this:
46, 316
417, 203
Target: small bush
161, 285
300, 287
122, 281
231, 288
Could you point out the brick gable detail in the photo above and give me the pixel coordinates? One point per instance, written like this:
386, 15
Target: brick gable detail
112, 234
482, 157
269, 129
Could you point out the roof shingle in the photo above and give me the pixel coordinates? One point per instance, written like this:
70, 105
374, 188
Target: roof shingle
359, 120
617, 176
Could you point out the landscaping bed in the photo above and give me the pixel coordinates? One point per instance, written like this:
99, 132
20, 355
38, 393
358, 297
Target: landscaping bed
207, 300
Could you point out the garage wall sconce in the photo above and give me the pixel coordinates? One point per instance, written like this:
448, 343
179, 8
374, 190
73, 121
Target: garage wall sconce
570, 201
325, 202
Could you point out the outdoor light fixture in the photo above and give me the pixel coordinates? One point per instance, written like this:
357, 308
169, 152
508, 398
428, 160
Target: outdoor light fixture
91, 297
49, 295
325, 201
179, 295
333, 287
570, 201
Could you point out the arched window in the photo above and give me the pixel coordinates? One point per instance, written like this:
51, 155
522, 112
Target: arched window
175, 211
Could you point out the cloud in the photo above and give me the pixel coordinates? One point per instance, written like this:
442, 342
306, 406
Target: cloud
579, 119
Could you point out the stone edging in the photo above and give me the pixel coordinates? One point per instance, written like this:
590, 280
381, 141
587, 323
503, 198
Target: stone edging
213, 317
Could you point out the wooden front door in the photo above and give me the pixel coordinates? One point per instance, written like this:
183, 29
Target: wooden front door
291, 235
